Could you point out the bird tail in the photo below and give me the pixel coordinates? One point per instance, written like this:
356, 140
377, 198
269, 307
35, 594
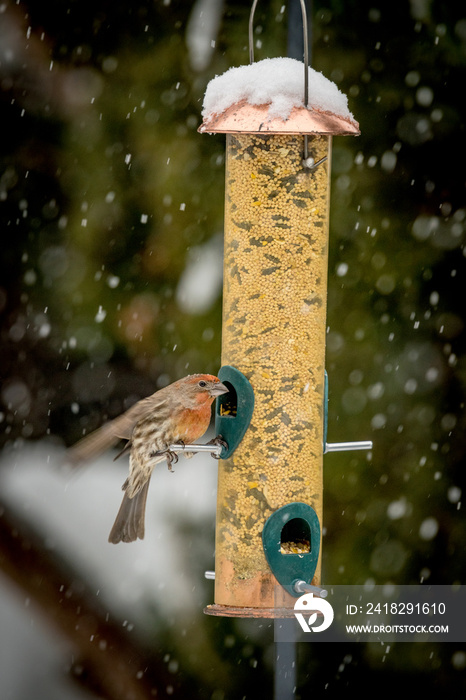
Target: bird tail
129, 523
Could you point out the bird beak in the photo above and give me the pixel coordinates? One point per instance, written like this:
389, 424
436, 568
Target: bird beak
219, 389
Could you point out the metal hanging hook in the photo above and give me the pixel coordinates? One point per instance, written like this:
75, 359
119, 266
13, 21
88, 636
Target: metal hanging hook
305, 39
306, 66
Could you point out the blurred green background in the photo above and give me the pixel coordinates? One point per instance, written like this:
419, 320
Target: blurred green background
111, 210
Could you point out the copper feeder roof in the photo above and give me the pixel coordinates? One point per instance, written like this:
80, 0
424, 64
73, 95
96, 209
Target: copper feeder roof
253, 119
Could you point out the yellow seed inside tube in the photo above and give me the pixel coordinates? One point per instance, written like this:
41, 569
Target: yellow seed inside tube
274, 321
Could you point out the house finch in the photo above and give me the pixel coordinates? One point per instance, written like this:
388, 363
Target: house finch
178, 413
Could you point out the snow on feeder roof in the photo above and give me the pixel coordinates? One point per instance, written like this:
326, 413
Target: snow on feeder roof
268, 97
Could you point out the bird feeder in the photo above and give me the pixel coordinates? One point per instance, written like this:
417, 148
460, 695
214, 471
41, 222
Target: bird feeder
269, 507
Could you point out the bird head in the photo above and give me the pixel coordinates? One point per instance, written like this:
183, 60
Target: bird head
203, 387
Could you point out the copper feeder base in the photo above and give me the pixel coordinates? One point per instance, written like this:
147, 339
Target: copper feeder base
230, 611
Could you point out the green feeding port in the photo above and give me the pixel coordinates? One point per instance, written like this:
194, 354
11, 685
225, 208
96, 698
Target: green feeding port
291, 541
233, 411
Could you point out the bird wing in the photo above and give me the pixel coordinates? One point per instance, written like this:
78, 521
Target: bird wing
110, 433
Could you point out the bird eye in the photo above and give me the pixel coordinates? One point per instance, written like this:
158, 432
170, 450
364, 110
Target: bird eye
202, 383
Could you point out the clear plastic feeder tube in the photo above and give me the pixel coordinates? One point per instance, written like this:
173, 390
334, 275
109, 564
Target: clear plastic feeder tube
274, 327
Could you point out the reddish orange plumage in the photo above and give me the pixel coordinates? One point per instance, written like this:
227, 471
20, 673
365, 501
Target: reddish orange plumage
178, 413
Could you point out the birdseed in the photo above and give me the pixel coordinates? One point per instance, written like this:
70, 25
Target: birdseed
274, 326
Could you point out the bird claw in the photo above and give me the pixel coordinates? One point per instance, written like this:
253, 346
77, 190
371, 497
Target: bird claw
220, 442
172, 458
